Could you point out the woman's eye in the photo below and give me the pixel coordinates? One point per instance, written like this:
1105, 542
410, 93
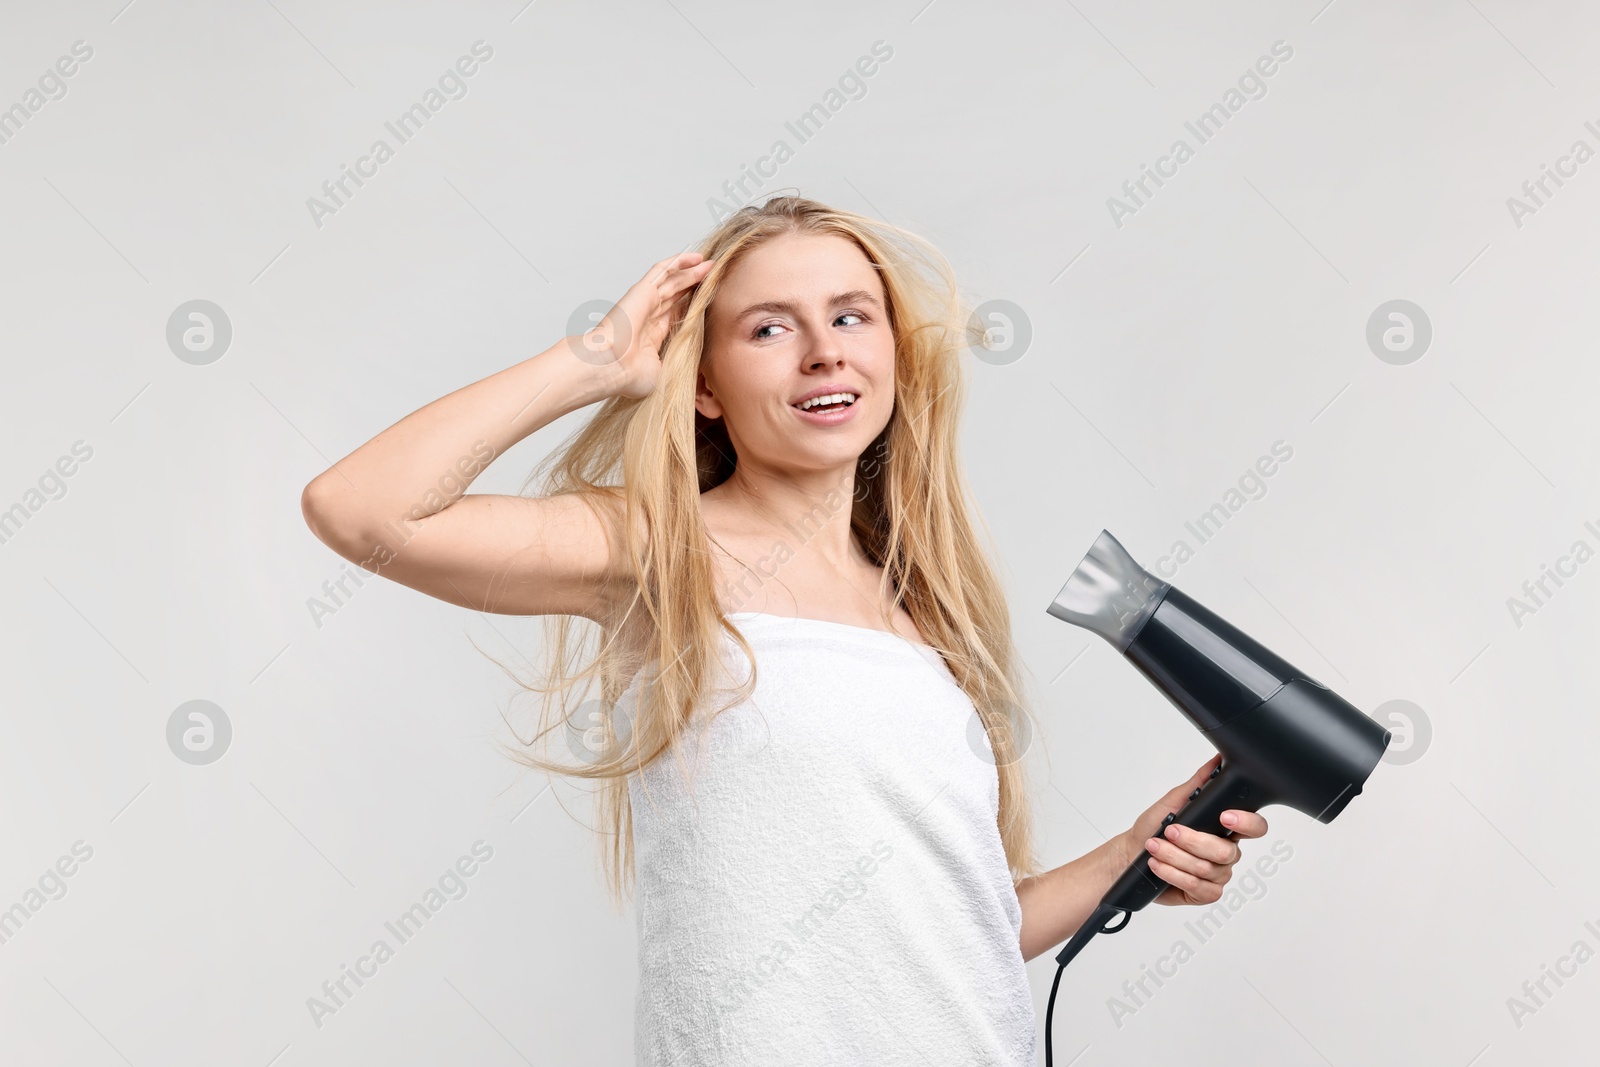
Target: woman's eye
760, 335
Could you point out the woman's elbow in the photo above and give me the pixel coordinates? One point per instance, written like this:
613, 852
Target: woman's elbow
321, 507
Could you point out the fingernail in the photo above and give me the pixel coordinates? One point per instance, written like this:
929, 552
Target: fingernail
1172, 831
1152, 844
1229, 818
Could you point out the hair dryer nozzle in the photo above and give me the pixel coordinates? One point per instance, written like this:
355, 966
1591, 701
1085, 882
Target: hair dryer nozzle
1109, 593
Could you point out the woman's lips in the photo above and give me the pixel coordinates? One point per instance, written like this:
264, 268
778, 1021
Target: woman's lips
827, 418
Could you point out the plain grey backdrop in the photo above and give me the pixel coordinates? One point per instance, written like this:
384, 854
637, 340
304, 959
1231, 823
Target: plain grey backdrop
1160, 340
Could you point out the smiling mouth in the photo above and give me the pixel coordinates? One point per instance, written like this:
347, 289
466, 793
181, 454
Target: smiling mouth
834, 402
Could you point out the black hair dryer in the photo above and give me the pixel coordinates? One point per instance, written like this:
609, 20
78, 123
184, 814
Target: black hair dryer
1285, 738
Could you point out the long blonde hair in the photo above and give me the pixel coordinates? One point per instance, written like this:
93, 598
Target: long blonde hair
642, 464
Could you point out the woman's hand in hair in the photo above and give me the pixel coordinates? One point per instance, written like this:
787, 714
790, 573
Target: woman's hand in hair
1196, 865
627, 342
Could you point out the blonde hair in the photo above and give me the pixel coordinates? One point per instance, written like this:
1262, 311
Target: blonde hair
647, 460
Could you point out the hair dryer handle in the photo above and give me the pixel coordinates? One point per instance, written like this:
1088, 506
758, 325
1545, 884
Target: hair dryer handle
1226, 790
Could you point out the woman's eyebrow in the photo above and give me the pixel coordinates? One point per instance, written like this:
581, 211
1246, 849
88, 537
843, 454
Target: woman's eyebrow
854, 296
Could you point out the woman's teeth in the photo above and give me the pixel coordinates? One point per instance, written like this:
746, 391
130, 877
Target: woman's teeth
827, 401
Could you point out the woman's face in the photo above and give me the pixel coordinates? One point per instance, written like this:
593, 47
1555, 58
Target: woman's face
799, 315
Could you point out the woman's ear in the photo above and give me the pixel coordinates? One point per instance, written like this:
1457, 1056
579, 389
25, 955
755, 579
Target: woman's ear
705, 401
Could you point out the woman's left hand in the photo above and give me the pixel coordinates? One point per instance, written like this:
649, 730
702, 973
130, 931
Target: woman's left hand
1195, 865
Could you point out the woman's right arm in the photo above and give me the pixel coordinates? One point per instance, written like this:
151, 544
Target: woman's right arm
398, 505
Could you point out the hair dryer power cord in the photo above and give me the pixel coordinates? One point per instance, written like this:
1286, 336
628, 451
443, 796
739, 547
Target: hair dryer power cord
1095, 924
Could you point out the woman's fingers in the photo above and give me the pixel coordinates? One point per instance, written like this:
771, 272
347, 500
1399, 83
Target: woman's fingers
674, 261
1198, 853
672, 269
1197, 865
1193, 887
668, 291
1206, 846
1173, 856
667, 286
1201, 776
1245, 823
1165, 857
652, 298
689, 275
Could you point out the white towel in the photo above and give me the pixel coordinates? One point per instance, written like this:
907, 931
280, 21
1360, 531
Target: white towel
829, 886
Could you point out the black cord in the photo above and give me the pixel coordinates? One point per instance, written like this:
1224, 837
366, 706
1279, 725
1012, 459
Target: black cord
1095, 924
1049, 1010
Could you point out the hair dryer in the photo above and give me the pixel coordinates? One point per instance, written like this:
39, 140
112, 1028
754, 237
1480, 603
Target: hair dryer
1285, 738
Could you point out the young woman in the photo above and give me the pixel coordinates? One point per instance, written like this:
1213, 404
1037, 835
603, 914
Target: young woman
807, 733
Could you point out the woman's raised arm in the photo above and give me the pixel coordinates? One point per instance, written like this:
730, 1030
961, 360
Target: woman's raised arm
398, 505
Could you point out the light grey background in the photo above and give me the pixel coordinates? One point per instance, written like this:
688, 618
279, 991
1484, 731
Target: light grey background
1168, 353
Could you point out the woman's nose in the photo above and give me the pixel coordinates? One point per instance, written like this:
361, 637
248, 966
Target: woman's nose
825, 348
